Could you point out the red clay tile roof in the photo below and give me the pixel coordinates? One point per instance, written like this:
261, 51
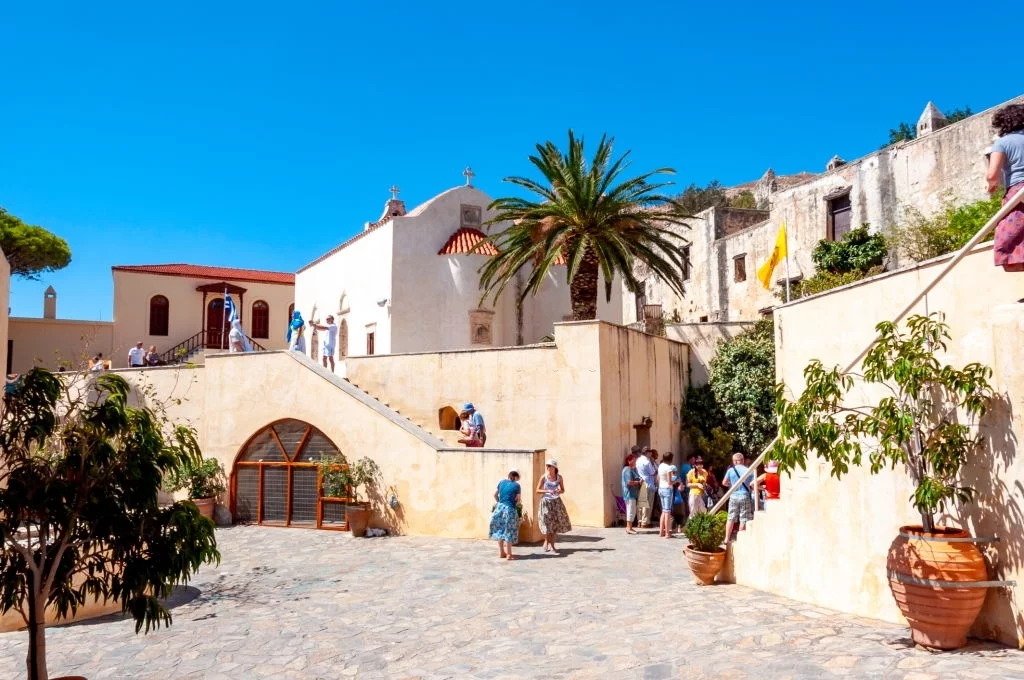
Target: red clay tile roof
464, 240
199, 271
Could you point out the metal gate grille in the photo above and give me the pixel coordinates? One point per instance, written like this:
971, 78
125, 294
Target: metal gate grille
276, 479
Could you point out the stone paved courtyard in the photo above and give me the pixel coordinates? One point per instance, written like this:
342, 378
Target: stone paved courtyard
290, 603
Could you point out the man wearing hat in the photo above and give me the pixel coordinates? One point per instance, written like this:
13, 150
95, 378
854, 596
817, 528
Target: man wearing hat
477, 428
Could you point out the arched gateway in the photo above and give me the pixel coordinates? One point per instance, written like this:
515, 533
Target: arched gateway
276, 478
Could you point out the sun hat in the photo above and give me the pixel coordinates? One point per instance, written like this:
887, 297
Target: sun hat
552, 462
772, 466
468, 406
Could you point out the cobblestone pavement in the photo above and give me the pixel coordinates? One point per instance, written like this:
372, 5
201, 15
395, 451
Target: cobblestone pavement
292, 603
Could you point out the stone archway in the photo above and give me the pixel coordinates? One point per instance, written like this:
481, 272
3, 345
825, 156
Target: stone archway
276, 478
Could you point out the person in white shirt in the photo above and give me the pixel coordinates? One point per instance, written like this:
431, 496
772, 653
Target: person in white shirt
137, 356
666, 490
331, 342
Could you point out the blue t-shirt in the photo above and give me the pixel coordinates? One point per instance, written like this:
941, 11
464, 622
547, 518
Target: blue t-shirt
1012, 145
507, 492
685, 490
733, 475
630, 475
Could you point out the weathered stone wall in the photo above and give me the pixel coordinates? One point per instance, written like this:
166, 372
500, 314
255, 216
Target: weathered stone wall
946, 164
702, 340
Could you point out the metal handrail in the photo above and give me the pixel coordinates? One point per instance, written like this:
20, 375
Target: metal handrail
198, 341
1005, 210
190, 345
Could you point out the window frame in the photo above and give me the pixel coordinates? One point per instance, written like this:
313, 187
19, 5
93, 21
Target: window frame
255, 319
166, 307
739, 268
830, 213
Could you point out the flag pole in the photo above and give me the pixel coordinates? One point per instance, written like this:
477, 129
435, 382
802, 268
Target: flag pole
786, 223
225, 325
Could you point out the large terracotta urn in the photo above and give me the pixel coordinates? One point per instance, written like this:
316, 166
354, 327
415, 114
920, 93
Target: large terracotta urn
704, 565
358, 516
923, 570
206, 506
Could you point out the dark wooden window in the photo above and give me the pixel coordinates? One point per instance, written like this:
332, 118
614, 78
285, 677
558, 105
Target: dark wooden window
839, 214
684, 253
641, 300
159, 313
370, 343
704, 319
739, 268
260, 319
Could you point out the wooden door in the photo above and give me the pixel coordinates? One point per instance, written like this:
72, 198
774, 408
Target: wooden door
216, 325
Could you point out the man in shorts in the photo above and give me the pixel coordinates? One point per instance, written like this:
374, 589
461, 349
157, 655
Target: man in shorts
739, 501
330, 342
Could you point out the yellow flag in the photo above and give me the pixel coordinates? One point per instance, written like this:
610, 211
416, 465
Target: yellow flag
764, 272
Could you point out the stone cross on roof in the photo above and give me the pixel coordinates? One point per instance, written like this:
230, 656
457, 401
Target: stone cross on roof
469, 175
394, 191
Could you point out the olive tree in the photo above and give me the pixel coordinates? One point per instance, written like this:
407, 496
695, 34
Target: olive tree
80, 471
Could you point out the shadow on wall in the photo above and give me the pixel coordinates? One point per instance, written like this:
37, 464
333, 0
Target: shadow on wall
997, 512
383, 515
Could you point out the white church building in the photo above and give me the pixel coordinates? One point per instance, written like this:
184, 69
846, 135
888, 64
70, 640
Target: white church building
408, 283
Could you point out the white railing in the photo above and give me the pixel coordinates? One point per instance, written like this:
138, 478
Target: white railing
1016, 199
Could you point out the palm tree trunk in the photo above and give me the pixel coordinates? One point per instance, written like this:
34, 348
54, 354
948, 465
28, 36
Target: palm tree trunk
583, 289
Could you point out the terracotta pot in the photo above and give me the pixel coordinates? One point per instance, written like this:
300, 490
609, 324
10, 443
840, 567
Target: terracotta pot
358, 518
939, 616
206, 506
705, 566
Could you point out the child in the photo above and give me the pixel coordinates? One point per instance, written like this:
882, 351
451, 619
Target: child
1006, 168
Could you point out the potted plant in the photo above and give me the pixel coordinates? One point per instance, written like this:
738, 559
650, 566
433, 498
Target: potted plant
343, 481
925, 422
204, 481
705, 554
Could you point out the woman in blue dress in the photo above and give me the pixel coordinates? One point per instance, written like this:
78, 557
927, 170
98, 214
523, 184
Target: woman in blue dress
505, 518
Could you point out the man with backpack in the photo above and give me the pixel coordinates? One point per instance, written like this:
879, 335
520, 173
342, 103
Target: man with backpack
739, 501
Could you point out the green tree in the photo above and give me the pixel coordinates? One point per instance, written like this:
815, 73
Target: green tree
31, 250
696, 198
743, 383
744, 199
924, 421
858, 250
588, 213
79, 516
904, 132
922, 238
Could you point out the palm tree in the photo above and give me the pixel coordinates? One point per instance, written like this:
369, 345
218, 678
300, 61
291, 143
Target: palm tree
590, 218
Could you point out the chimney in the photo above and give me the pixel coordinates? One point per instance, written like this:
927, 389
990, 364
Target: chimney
834, 163
50, 303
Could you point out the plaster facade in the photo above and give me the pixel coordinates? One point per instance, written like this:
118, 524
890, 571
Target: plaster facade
578, 398
390, 280
58, 343
940, 164
702, 341
187, 314
825, 541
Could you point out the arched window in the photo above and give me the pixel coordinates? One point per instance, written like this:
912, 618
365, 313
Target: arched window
260, 319
343, 339
276, 478
159, 308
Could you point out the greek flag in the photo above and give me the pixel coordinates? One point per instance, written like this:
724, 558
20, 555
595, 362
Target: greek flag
235, 321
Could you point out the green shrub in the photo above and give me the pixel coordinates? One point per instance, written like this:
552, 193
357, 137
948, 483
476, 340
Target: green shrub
202, 479
857, 251
716, 448
922, 238
743, 384
706, 532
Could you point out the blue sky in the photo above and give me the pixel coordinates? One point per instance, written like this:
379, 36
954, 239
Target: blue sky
261, 134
